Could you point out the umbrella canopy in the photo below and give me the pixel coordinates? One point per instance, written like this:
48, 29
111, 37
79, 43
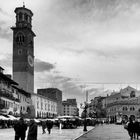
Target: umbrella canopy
37, 121
65, 117
12, 117
3, 118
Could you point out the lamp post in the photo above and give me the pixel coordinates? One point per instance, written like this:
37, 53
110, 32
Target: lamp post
85, 106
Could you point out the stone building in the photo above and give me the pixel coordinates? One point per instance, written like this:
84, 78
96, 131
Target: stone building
23, 49
54, 94
124, 104
44, 106
30, 103
13, 100
97, 105
25, 100
70, 107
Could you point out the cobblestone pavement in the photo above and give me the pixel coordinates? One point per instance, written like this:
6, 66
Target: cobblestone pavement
106, 132
56, 134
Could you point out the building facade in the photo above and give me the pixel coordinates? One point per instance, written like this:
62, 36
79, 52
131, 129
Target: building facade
13, 100
44, 107
25, 100
23, 49
54, 94
70, 107
97, 107
124, 104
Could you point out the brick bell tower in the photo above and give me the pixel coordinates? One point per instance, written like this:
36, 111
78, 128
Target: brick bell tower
23, 49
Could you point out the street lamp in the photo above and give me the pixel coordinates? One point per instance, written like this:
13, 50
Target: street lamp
85, 106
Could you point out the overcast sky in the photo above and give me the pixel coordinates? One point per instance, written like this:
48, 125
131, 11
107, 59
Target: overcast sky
78, 40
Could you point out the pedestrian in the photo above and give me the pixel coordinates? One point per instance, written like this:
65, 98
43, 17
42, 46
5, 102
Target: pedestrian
32, 133
136, 129
20, 129
131, 128
43, 123
49, 126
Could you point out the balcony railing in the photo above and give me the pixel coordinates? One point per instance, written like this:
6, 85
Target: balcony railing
124, 102
4, 93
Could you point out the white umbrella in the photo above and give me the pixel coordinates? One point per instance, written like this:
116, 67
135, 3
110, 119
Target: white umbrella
65, 117
37, 121
12, 117
3, 118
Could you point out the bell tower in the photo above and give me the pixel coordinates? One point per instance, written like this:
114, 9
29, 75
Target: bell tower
23, 49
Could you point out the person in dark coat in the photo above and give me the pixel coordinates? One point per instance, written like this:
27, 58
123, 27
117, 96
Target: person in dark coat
136, 129
43, 123
32, 133
20, 129
131, 128
49, 126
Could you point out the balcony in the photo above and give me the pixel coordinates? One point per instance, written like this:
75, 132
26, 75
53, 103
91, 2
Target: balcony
6, 94
134, 101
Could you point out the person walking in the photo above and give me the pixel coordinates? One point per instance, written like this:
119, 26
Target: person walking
49, 126
32, 133
20, 129
136, 129
131, 128
43, 123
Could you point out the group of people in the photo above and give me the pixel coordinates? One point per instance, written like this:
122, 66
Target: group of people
47, 124
21, 127
133, 128
7, 123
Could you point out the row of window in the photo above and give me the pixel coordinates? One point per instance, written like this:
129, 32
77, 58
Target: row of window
46, 106
8, 104
132, 108
44, 114
6, 85
67, 114
22, 108
20, 39
66, 111
23, 17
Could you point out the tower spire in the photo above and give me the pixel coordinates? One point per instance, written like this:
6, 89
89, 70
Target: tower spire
23, 4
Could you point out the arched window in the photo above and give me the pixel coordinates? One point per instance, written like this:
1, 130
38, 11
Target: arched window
132, 108
20, 38
26, 17
20, 16
125, 108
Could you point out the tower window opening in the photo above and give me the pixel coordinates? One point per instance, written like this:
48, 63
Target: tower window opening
20, 16
29, 19
26, 17
19, 52
20, 39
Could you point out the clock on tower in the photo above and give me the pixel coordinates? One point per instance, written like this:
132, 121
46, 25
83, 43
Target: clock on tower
23, 49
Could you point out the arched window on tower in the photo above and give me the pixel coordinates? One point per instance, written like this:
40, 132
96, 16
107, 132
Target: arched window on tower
26, 17
20, 38
20, 16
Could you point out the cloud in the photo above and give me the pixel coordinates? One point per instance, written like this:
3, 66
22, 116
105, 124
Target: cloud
6, 60
41, 66
63, 83
99, 9
5, 33
51, 79
3, 12
92, 24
